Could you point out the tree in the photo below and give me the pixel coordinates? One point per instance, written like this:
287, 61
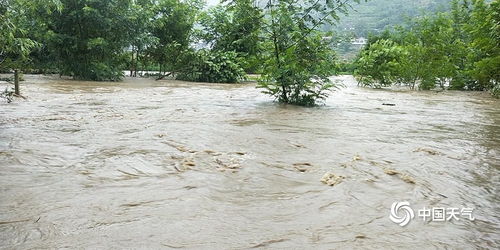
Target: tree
139, 20
298, 61
212, 66
459, 49
15, 43
376, 65
90, 37
485, 31
460, 16
172, 22
431, 38
234, 27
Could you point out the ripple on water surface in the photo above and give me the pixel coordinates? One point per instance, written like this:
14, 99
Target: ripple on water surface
150, 164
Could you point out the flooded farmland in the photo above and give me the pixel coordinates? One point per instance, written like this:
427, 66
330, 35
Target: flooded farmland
171, 164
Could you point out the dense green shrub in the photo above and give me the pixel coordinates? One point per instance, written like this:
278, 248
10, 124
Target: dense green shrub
377, 64
301, 76
452, 50
212, 66
89, 38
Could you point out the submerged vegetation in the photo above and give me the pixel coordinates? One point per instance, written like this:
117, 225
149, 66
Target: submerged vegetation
281, 40
458, 50
212, 66
298, 61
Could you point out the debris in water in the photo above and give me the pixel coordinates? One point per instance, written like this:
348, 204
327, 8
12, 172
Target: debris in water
390, 171
233, 166
266, 243
427, 150
224, 166
176, 157
297, 145
180, 148
301, 169
345, 165
171, 246
407, 179
239, 153
357, 158
14, 221
388, 104
360, 236
188, 163
211, 152
302, 166
331, 179
160, 135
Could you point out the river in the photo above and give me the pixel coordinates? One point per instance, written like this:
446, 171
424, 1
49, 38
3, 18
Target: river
171, 164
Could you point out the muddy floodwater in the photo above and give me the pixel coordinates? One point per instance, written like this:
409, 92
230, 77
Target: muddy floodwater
170, 164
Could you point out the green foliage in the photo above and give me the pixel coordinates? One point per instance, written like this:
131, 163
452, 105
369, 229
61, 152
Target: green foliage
234, 27
346, 68
139, 20
88, 35
172, 25
212, 66
302, 75
485, 41
298, 61
457, 50
15, 42
378, 63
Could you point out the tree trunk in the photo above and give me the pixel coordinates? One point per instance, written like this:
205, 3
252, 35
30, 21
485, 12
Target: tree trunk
16, 82
136, 62
132, 63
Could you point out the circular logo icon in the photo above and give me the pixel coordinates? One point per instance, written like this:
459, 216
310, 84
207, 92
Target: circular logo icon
401, 213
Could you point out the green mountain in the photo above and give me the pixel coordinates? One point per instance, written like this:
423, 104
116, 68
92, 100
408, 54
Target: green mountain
377, 15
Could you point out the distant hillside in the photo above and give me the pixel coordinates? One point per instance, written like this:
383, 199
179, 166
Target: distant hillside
376, 15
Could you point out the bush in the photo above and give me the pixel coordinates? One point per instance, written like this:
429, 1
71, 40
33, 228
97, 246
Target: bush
300, 74
212, 66
377, 64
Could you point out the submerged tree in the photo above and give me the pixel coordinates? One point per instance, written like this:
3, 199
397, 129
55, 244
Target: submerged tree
172, 26
459, 50
139, 20
298, 61
377, 63
16, 44
484, 26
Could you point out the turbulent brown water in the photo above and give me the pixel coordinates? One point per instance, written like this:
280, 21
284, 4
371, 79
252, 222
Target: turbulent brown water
146, 164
